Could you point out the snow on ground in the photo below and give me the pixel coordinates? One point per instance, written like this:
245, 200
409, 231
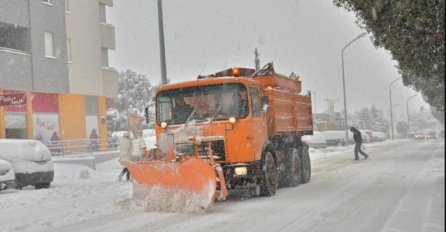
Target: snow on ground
79, 193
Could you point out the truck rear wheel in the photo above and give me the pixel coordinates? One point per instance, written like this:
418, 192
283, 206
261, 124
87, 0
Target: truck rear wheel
306, 165
269, 176
293, 172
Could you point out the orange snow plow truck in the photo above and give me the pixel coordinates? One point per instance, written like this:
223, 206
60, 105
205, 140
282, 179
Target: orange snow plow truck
235, 130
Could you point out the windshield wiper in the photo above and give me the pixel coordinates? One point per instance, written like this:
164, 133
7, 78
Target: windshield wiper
216, 112
190, 117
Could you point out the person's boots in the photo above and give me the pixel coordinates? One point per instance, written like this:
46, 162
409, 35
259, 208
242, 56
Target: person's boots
366, 156
120, 177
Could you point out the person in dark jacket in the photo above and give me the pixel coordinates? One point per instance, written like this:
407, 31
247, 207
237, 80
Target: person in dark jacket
181, 111
357, 137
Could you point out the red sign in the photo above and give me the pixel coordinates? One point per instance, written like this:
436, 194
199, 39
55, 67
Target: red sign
13, 99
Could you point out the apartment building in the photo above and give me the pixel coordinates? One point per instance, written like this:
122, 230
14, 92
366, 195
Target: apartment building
54, 73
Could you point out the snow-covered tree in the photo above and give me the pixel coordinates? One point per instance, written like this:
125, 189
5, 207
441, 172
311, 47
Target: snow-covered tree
134, 94
423, 121
413, 31
372, 119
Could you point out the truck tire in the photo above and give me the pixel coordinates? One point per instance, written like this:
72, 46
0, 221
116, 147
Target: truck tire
292, 175
270, 175
306, 164
42, 185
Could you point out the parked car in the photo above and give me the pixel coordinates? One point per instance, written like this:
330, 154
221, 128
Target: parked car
7, 176
367, 136
431, 135
317, 140
31, 161
418, 136
337, 138
379, 136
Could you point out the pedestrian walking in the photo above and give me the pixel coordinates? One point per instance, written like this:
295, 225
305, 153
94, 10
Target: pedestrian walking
125, 147
357, 137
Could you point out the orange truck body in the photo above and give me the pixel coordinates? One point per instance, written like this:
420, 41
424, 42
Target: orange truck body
261, 150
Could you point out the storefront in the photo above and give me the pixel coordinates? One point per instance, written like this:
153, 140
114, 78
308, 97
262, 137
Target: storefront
14, 114
51, 116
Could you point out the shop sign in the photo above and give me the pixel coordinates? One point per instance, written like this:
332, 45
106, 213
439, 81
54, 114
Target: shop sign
13, 99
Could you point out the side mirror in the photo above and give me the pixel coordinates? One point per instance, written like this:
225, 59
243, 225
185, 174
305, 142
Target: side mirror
265, 103
146, 114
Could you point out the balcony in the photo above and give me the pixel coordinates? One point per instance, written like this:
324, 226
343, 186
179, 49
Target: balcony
107, 2
107, 36
16, 74
110, 82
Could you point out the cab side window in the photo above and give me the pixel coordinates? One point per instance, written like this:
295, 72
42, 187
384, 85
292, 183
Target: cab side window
255, 102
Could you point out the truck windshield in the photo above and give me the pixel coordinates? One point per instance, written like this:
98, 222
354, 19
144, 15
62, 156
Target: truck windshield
202, 103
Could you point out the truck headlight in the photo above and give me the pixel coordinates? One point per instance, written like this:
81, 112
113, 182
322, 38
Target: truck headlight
163, 125
240, 171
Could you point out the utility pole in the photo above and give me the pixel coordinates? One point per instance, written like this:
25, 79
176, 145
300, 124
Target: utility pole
391, 106
343, 82
257, 60
162, 48
408, 116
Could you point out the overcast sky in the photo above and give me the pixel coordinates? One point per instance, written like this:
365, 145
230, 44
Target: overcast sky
301, 36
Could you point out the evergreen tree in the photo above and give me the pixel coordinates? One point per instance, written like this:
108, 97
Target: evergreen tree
372, 119
413, 31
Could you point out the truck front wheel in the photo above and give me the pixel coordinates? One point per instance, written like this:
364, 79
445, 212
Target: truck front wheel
269, 175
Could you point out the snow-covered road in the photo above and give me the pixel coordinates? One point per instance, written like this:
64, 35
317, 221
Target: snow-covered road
399, 188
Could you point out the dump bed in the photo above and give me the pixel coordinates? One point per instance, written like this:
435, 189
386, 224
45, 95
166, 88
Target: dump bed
288, 112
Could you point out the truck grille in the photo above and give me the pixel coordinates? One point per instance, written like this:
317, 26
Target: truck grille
218, 147
182, 148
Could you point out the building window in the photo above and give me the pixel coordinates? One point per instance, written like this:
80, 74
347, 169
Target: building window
104, 57
255, 102
49, 45
50, 2
70, 59
67, 5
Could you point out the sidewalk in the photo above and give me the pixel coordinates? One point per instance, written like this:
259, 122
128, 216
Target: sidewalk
87, 159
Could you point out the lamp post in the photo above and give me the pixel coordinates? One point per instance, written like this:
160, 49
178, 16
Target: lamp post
391, 106
408, 118
162, 48
343, 82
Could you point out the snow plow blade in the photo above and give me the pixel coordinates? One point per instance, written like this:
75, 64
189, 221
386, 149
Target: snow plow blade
185, 185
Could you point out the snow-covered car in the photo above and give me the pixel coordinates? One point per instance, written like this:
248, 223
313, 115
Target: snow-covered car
337, 138
367, 136
379, 136
431, 135
31, 161
317, 140
7, 176
418, 136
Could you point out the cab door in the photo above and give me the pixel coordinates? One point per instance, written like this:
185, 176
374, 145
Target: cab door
259, 132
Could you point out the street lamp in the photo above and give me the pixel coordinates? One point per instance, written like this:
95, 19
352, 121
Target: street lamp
343, 82
391, 111
162, 48
408, 118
